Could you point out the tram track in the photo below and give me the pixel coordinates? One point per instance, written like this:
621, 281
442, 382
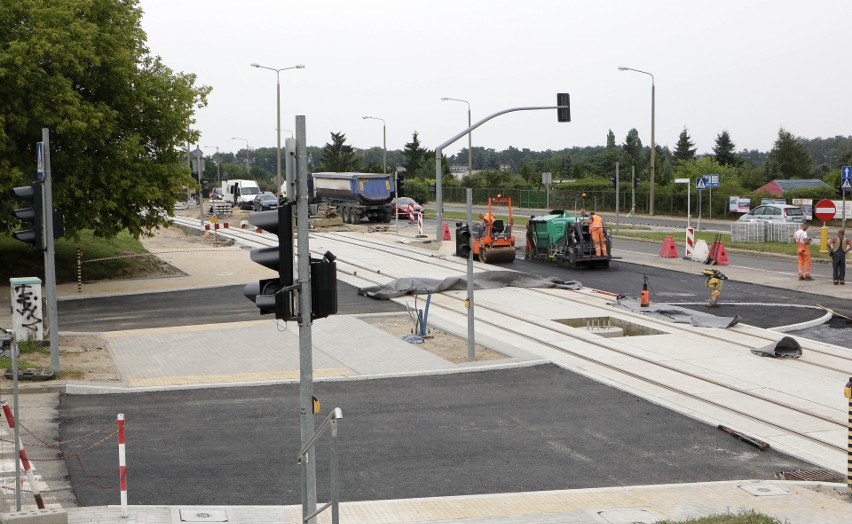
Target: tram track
689, 382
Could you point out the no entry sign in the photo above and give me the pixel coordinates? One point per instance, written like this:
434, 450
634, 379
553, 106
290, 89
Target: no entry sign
825, 210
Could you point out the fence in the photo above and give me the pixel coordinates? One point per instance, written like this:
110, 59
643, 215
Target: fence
754, 232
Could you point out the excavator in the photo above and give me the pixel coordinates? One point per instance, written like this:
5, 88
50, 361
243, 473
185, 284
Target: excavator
491, 240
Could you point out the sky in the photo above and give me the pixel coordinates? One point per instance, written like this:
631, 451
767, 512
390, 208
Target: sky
747, 67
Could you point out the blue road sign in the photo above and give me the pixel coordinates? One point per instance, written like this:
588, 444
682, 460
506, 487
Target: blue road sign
39, 161
711, 180
700, 184
846, 173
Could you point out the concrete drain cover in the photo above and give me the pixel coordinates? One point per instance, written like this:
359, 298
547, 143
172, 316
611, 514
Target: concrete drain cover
763, 490
627, 516
203, 515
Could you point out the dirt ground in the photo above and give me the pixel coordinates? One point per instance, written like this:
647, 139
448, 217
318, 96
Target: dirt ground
86, 357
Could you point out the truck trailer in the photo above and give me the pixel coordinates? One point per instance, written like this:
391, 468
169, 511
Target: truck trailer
354, 196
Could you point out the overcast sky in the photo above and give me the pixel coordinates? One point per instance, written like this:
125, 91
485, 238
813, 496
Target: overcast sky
748, 67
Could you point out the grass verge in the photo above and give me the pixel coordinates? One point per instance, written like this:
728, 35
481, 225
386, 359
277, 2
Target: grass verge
20, 260
741, 517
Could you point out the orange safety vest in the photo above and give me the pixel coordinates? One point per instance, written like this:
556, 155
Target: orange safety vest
597, 222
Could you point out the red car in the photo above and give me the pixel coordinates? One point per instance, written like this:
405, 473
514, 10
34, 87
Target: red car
404, 205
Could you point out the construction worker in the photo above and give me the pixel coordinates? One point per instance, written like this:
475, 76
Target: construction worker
803, 251
839, 246
596, 229
528, 246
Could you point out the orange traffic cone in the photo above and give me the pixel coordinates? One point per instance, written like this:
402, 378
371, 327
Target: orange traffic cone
669, 250
721, 255
446, 232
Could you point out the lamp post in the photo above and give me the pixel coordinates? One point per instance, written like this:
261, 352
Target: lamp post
248, 150
469, 135
653, 143
278, 126
218, 174
385, 165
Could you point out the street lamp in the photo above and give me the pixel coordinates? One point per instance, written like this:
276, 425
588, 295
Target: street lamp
469, 135
218, 177
278, 127
385, 165
248, 150
653, 143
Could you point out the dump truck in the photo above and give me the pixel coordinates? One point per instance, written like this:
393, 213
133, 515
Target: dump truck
354, 196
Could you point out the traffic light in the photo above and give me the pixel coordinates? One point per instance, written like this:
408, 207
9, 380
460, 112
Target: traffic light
274, 295
33, 214
563, 111
277, 295
612, 182
400, 186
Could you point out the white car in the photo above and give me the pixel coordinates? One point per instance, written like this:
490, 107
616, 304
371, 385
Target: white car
774, 213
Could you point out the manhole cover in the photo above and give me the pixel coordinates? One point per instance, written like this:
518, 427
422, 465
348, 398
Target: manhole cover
816, 475
763, 490
203, 515
627, 516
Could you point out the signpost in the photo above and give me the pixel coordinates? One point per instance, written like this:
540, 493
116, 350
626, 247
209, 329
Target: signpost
700, 185
688, 193
824, 210
711, 181
845, 185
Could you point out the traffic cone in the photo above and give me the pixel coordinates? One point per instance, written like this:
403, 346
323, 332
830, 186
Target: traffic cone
446, 232
669, 250
721, 255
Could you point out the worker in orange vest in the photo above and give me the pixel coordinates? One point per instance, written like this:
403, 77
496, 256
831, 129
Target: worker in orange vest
803, 251
596, 229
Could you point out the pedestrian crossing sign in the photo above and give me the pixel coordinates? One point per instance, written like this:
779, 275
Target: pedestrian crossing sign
845, 185
700, 183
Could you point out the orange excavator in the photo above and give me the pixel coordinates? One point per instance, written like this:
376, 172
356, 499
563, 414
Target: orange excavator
491, 239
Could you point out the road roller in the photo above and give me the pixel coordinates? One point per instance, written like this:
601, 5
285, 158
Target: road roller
490, 239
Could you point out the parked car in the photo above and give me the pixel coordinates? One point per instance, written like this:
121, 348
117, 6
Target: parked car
216, 194
264, 202
774, 213
403, 207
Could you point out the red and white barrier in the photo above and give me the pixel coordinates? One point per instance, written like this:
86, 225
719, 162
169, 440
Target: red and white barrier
411, 212
690, 242
122, 465
420, 223
23, 456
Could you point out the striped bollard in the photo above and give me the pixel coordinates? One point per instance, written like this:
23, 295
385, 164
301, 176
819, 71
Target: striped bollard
22, 453
79, 270
411, 212
420, 223
690, 242
122, 466
847, 392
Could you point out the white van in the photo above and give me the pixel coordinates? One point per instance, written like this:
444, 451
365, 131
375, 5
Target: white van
240, 192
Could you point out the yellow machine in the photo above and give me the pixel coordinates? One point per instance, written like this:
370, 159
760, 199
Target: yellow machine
715, 278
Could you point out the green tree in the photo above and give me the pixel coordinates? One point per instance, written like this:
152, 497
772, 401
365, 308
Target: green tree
633, 147
414, 154
118, 117
725, 150
338, 157
685, 148
788, 158
610, 140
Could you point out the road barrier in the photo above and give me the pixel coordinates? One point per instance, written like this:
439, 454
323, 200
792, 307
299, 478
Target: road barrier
122, 465
690, 243
22, 454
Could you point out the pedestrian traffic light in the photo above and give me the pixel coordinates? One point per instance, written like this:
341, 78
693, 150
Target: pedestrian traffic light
274, 295
33, 214
612, 182
400, 186
563, 109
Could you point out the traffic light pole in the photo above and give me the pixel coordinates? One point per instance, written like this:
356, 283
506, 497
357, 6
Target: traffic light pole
306, 370
49, 255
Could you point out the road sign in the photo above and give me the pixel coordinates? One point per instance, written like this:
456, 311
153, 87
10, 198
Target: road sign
700, 184
711, 180
39, 161
846, 173
825, 210
845, 185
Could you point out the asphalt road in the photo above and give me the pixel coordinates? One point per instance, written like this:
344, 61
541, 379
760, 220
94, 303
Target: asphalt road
527, 429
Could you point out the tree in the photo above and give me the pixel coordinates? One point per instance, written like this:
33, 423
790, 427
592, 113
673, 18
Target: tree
414, 155
685, 149
725, 150
610, 140
338, 157
118, 117
788, 158
633, 147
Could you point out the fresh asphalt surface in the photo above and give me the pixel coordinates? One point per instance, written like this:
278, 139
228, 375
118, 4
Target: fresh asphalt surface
515, 430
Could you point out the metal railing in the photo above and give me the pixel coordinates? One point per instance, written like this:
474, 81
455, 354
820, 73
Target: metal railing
330, 422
